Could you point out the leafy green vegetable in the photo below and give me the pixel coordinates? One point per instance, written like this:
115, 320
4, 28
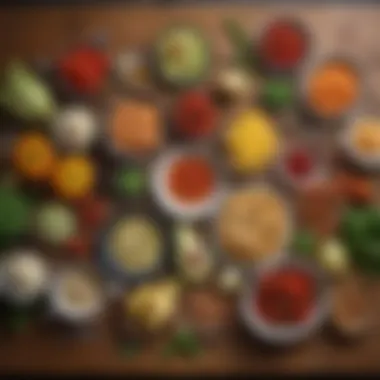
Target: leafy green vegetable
184, 343
25, 95
243, 46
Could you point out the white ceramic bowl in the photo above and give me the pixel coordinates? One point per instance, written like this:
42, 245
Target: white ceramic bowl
346, 143
281, 335
62, 310
179, 210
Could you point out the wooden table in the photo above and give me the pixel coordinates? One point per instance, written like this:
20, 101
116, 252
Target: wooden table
43, 32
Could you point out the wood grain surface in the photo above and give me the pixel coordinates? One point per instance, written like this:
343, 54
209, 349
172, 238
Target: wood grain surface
43, 33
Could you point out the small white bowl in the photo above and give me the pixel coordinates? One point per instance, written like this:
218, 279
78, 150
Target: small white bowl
318, 173
346, 143
63, 311
282, 335
191, 211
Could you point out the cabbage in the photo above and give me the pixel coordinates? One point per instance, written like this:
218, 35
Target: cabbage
25, 95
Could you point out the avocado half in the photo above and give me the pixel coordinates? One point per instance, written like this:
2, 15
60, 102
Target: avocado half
202, 52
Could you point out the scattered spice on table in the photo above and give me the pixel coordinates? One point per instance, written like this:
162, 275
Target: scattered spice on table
195, 114
355, 188
286, 296
283, 45
84, 69
191, 178
332, 89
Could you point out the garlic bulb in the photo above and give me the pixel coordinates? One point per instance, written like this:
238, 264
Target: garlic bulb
193, 259
25, 274
75, 128
235, 84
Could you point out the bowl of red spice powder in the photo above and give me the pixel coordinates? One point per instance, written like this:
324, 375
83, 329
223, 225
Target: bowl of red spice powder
283, 45
186, 184
285, 302
195, 115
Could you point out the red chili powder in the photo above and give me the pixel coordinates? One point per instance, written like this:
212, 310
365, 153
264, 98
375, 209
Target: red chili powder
286, 296
299, 162
84, 69
191, 178
195, 114
283, 45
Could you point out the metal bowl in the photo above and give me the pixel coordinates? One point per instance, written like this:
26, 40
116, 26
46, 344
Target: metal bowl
282, 335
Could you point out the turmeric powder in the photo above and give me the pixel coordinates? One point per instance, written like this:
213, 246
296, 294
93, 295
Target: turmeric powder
332, 89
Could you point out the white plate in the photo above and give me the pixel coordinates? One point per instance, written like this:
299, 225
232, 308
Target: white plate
346, 143
179, 210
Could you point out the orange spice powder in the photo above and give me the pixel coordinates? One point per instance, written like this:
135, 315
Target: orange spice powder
333, 89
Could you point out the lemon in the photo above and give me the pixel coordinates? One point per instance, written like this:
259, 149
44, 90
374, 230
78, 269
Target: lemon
251, 141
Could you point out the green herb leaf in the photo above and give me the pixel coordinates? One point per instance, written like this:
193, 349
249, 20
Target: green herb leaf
243, 45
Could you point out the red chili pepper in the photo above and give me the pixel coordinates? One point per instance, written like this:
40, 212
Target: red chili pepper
93, 212
84, 69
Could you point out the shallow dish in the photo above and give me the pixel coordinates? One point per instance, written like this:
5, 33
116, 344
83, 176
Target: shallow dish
193, 210
246, 265
113, 270
281, 335
60, 309
346, 144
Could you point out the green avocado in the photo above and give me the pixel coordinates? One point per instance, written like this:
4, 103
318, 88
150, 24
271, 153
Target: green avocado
182, 56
